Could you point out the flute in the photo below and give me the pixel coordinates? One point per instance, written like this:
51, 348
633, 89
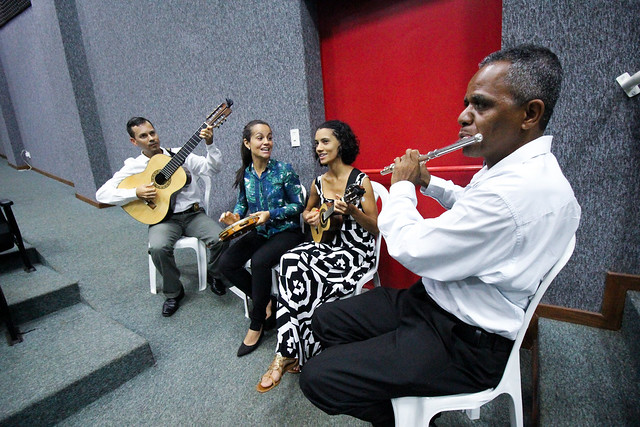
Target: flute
441, 151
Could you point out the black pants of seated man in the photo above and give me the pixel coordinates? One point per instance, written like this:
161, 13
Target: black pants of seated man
388, 343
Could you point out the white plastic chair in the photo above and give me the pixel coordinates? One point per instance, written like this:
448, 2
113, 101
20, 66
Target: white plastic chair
380, 193
418, 411
189, 243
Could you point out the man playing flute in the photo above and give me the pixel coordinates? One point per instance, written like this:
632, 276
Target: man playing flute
480, 261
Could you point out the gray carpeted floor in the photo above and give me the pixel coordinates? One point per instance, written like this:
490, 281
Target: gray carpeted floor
197, 379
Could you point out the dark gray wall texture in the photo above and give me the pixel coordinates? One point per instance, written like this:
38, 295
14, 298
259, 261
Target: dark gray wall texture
73, 72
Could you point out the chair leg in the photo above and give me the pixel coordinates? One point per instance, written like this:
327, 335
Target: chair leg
15, 230
473, 414
245, 299
274, 281
152, 276
201, 255
15, 336
515, 410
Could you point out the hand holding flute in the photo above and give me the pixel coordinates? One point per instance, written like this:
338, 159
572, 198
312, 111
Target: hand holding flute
423, 158
410, 166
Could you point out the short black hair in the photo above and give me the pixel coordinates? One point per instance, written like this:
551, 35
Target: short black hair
135, 121
535, 73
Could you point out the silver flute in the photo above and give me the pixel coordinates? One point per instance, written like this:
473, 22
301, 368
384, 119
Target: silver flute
440, 151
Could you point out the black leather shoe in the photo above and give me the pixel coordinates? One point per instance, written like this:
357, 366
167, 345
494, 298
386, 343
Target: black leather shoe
171, 305
244, 349
216, 286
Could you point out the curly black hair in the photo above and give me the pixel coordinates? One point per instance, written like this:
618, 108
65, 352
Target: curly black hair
349, 143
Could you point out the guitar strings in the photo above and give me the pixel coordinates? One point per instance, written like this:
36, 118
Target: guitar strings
178, 159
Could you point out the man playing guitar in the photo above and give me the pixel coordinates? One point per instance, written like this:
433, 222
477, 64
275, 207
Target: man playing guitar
186, 216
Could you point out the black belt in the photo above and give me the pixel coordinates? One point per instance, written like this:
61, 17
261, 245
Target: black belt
481, 338
193, 208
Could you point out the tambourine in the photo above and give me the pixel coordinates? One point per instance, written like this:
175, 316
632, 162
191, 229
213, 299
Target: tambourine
239, 228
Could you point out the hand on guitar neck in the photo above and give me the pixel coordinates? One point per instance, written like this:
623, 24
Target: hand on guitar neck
324, 224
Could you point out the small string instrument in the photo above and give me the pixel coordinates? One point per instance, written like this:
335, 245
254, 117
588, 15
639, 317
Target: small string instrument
329, 225
238, 228
166, 174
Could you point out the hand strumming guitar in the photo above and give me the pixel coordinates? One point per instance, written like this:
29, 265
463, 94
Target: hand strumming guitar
146, 192
312, 217
342, 207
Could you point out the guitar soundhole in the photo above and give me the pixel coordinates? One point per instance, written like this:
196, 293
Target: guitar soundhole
160, 180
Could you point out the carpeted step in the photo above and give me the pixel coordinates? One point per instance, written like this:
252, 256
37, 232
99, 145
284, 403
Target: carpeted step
588, 376
67, 360
12, 260
36, 294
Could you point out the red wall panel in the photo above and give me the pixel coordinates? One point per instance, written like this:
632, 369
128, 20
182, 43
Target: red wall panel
397, 73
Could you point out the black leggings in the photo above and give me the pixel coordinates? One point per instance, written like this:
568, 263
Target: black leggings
264, 254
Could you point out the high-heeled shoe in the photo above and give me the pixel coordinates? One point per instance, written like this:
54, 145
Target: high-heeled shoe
244, 349
281, 364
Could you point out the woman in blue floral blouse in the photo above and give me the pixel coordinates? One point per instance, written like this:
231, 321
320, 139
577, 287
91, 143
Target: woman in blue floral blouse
270, 190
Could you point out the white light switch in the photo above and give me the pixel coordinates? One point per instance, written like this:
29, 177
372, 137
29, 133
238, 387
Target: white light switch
295, 137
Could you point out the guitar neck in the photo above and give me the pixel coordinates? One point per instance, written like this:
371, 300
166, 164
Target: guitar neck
178, 159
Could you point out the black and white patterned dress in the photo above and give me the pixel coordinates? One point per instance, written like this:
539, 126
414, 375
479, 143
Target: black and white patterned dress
312, 274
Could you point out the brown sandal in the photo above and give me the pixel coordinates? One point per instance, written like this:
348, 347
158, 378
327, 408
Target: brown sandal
281, 364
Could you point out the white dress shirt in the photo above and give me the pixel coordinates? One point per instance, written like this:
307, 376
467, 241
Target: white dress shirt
187, 196
484, 257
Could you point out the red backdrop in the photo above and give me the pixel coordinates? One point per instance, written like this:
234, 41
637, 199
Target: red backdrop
397, 73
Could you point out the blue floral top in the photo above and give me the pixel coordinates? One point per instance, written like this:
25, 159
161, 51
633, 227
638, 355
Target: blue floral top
277, 191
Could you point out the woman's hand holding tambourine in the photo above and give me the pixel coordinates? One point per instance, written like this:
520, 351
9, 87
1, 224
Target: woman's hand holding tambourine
263, 216
229, 218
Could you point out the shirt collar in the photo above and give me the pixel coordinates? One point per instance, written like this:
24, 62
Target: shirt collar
534, 148
270, 163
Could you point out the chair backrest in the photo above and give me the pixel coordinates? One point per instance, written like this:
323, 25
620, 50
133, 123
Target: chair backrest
304, 205
542, 288
381, 193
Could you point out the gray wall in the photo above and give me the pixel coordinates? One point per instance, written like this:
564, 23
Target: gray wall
75, 72
597, 131
72, 73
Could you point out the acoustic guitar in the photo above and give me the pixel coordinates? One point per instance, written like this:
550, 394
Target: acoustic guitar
329, 225
166, 173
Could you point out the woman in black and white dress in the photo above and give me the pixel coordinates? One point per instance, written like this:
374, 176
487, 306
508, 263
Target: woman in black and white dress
313, 273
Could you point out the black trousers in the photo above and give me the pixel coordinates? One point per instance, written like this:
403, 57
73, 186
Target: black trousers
389, 343
264, 254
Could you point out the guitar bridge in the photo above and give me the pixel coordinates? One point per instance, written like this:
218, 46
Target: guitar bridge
150, 204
